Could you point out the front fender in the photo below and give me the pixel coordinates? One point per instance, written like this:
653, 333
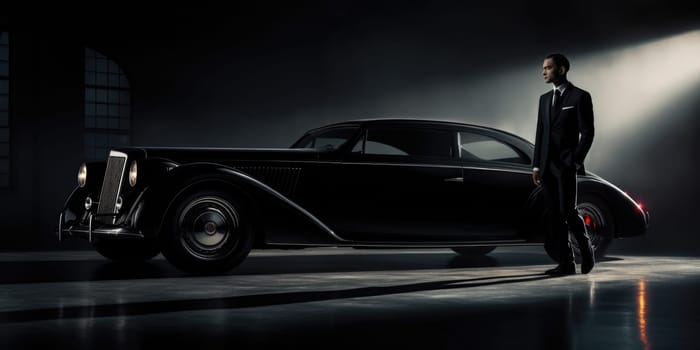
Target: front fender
276, 217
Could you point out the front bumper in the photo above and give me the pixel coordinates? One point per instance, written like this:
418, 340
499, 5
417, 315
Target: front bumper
95, 230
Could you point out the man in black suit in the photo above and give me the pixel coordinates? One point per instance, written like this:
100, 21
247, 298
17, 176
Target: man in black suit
564, 136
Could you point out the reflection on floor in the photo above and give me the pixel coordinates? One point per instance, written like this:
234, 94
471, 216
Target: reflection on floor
346, 298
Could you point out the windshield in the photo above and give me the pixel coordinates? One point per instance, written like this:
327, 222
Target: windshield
327, 140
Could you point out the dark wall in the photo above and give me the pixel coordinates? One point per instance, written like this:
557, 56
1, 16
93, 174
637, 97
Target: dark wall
260, 75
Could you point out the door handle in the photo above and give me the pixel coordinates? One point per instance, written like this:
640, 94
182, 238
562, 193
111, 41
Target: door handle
455, 179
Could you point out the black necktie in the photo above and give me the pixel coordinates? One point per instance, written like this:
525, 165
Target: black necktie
556, 105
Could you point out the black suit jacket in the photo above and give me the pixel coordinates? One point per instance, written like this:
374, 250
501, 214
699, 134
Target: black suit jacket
557, 142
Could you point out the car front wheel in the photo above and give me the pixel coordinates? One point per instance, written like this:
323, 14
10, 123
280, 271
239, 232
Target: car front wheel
209, 233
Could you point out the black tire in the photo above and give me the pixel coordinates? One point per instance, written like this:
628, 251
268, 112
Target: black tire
207, 231
599, 225
128, 250
473, 251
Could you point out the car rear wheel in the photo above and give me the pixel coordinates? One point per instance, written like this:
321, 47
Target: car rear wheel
471, 251
599, 225
128, 250
209, 232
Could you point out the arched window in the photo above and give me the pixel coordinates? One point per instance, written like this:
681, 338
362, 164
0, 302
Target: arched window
4, 109
107, 106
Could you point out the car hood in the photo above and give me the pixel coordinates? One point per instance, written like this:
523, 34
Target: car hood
218, 155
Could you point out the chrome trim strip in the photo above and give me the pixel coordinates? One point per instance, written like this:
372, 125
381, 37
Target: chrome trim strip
459, 145
90, 228
60, 227
528, 171
117, 231
455, 179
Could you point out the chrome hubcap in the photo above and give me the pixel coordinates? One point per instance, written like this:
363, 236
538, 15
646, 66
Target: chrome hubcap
209, 227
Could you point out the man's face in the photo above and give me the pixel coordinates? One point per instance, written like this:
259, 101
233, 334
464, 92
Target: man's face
550, 71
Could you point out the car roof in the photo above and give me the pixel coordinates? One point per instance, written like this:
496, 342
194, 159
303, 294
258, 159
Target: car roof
414, 121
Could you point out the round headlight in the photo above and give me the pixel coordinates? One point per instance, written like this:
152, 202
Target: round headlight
82, 175
133, 172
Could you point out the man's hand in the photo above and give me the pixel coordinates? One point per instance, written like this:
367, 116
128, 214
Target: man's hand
536, 177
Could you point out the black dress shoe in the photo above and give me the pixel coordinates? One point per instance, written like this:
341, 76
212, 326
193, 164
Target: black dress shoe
587, 257
560, 270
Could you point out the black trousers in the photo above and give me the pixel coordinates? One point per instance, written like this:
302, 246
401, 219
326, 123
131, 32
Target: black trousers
559, 188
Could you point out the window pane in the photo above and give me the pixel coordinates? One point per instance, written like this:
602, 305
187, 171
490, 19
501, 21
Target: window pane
90, 78
90, 94
4, 149
424, 143
4, 53
102, 123
114, 80
100, 95
90, 64
102, 65
4, 69
101, 79
4, 135
4, 86
113, 110
483, 148
90, 109
4, 179
4, 118
113, 123
372, 147
4, 100
113, 96
329, 140
4, 166
101, 109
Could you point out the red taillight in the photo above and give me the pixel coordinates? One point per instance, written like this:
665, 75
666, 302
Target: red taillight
587, 219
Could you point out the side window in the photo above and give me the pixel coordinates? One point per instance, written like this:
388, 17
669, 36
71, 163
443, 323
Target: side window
408, 142
329, 140
484, 148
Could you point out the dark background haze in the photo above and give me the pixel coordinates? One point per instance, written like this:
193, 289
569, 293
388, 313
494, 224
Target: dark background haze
259, 75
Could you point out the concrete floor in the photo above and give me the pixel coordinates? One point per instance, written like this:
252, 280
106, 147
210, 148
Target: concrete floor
346, 298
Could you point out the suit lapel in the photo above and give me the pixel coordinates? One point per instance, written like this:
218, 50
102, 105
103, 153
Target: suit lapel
547, 108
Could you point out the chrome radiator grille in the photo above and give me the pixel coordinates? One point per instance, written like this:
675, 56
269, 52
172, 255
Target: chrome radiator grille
111, 184
281, 179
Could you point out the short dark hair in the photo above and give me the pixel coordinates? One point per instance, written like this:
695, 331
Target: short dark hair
560, 60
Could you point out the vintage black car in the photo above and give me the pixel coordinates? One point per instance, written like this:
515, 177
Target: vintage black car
366, 183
